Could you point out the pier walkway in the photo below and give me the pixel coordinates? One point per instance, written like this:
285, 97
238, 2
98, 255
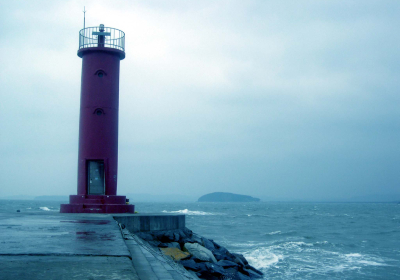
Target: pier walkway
76, 246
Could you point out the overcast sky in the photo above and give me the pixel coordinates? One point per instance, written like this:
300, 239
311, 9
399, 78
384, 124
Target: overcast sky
281, 99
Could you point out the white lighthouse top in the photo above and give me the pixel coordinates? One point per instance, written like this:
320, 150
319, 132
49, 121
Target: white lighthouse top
101, 36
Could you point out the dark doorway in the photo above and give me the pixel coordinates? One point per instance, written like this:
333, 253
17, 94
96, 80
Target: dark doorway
95, 176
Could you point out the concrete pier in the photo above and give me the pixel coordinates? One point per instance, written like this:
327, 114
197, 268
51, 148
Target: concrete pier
80, 246
151, 222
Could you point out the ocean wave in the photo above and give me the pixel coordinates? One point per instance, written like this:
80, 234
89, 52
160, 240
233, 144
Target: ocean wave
188, 212
44, 208
339, 268
357, 255
367, 260
274, 232
248, 244
256, 215
262, 258
309, 257
320, 243
278, 232
293, 245
347, 262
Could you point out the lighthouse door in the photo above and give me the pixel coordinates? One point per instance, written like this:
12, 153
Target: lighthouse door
96, 177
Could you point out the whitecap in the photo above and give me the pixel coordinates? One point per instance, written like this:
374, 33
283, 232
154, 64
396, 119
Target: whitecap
188, 212
44, 208
249, 244
262, 258
341, 268
359, 259
295, 245
274, 232
372, 263
351, 261
356, 255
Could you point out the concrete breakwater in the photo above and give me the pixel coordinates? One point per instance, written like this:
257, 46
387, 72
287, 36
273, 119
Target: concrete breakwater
201, 257
51, 245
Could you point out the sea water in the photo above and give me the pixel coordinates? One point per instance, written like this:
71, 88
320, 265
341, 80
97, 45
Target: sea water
289, 240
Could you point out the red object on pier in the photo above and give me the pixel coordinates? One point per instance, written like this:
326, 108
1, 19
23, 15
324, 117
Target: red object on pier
101, 49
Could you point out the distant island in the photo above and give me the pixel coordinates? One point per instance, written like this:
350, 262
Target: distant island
227, 197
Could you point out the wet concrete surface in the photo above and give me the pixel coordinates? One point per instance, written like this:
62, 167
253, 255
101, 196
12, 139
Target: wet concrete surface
60, 234
66, 267
62, 246
73, 246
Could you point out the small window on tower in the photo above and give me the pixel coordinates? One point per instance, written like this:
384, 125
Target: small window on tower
98, 112
100, 73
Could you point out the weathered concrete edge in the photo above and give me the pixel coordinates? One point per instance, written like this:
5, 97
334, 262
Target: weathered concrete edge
151, 222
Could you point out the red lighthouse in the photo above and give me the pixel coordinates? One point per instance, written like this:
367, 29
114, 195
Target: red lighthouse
101, 49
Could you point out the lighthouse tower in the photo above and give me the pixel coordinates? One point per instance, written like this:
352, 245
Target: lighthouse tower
101, 49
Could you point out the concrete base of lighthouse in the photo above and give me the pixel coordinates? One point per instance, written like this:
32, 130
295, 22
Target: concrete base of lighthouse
97, 204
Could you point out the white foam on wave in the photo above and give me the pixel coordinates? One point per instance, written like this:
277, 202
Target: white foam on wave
353, 261
308, 258
44, 208
305, 256
339, 263
262, 258
340, 268
356, 255
274, 232
248, 244
359, 259
188, 212
293, 245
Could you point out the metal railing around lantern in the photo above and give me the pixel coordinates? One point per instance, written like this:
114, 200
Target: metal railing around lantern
114, 38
